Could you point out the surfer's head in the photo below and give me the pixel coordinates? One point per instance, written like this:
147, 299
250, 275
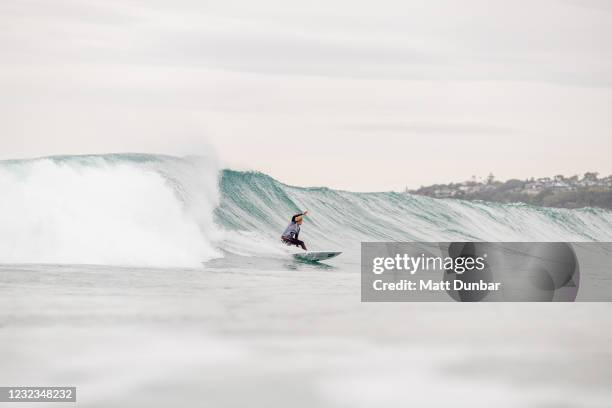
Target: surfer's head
298, 220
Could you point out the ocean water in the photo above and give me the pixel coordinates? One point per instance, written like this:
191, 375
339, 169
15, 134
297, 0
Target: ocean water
151, 281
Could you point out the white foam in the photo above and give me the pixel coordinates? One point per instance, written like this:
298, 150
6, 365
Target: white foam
94, 211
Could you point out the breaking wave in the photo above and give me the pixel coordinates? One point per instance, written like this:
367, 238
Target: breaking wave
135, 209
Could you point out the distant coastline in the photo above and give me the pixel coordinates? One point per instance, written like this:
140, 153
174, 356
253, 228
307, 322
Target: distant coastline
559, 191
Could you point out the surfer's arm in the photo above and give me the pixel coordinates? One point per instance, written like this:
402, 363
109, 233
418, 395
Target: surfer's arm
298, 215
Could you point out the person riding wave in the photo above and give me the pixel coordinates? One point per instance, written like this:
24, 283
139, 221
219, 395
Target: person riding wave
292, 232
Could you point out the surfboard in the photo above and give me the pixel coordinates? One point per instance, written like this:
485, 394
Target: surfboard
315, 256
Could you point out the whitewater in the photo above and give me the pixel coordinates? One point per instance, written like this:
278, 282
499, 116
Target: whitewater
156, 210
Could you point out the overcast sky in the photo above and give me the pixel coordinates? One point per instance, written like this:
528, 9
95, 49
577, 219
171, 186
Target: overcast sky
371, 95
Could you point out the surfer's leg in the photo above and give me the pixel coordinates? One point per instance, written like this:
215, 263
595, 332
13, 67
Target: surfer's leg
293, 241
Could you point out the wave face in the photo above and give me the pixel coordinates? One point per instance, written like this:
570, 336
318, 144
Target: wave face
251, 201
134, 209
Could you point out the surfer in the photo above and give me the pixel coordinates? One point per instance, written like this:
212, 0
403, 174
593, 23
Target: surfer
290, 236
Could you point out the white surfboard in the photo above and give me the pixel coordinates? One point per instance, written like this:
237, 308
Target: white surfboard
315, 256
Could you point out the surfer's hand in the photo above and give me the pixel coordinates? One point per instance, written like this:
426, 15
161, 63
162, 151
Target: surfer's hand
305, 212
